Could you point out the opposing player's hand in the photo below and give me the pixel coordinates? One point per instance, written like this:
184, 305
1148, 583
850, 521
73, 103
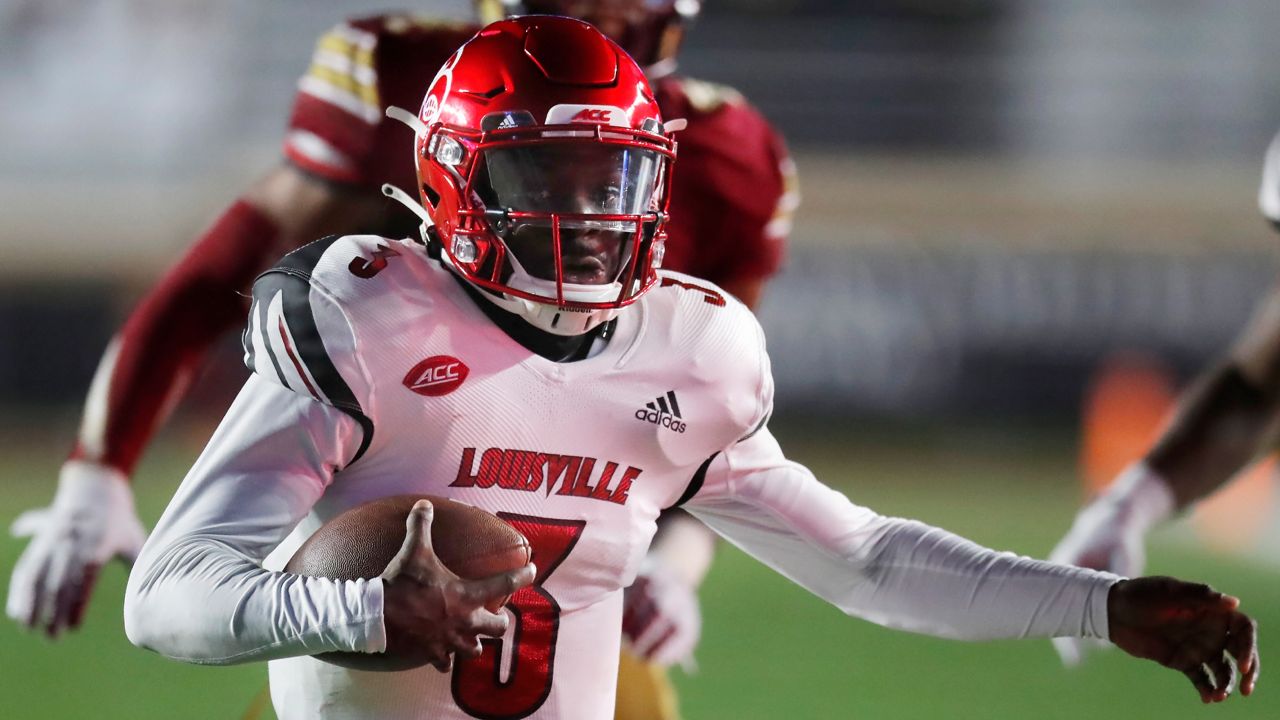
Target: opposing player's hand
91, 521
433, 611
1100, 539
661, 617
1187, 627
1110, 534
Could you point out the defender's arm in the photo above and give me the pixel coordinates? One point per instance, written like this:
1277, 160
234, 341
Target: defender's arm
146, 369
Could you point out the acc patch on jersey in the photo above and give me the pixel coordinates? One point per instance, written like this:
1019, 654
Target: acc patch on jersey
437, 375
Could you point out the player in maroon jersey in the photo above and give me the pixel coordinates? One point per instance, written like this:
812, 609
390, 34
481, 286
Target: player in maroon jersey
730, 207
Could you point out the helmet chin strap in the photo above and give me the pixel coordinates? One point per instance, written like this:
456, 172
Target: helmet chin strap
414, 207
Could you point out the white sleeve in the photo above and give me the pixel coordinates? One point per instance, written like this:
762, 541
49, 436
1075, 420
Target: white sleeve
198, 591
894, 572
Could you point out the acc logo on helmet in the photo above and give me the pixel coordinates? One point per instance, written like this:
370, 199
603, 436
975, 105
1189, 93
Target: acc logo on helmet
604, 114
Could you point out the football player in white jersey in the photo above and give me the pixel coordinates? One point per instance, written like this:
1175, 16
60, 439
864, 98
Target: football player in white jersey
528, 358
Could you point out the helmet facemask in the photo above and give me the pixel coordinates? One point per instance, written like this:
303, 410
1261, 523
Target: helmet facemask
544, 165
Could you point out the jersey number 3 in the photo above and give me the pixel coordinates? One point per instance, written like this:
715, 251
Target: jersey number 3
366, 269
479, 687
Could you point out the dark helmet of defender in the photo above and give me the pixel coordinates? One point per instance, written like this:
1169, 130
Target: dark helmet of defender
651, 31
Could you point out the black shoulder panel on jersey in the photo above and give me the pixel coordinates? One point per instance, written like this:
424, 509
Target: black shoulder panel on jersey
291, 279
699, 477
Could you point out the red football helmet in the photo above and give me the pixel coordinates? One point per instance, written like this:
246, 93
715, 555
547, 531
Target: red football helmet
650, 30
545, 167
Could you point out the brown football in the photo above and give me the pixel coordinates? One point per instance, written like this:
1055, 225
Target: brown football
360, 542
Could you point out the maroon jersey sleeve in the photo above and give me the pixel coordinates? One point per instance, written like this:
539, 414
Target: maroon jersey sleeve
151, 361
338, 130
734, 188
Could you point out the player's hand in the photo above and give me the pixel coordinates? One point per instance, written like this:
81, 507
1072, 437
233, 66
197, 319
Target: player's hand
91, 521
1109, 534
428, 608
1187, 627
661, 617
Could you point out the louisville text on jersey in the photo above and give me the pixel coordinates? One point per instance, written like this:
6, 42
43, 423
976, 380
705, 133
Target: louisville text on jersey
530, 471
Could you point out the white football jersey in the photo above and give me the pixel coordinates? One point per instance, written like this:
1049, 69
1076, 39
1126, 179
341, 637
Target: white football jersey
581, 457
376, 373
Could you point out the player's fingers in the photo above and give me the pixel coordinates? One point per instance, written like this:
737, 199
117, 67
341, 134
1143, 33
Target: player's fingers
1200, 679
484, 622
65, 595
640, 613
34, 565
421, 517
653, 651
18, 601
676, 651
32, 618
657, 632
480, 592
417, 527
21, 584
1242, 646
1194, 650
1070, 650
1242, 641
467, 646
81, 602
1249, 679
444, 664
1223, 677
55, 580
417, 551
29, 523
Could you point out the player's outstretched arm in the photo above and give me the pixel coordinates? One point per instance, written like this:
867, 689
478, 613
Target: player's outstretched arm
145, 369
907, 575
431, 612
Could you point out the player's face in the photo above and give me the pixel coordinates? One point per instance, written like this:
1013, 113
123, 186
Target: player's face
573, 182
588, 256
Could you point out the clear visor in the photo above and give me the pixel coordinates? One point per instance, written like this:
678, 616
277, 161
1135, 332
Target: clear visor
572, 181
587, 178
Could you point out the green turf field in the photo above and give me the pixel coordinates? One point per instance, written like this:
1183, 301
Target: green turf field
770, 650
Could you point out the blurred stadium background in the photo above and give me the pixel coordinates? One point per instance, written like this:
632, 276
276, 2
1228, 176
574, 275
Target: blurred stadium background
1025, 223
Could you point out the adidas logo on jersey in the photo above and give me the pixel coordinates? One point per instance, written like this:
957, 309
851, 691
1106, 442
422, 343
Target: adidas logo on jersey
664, 411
